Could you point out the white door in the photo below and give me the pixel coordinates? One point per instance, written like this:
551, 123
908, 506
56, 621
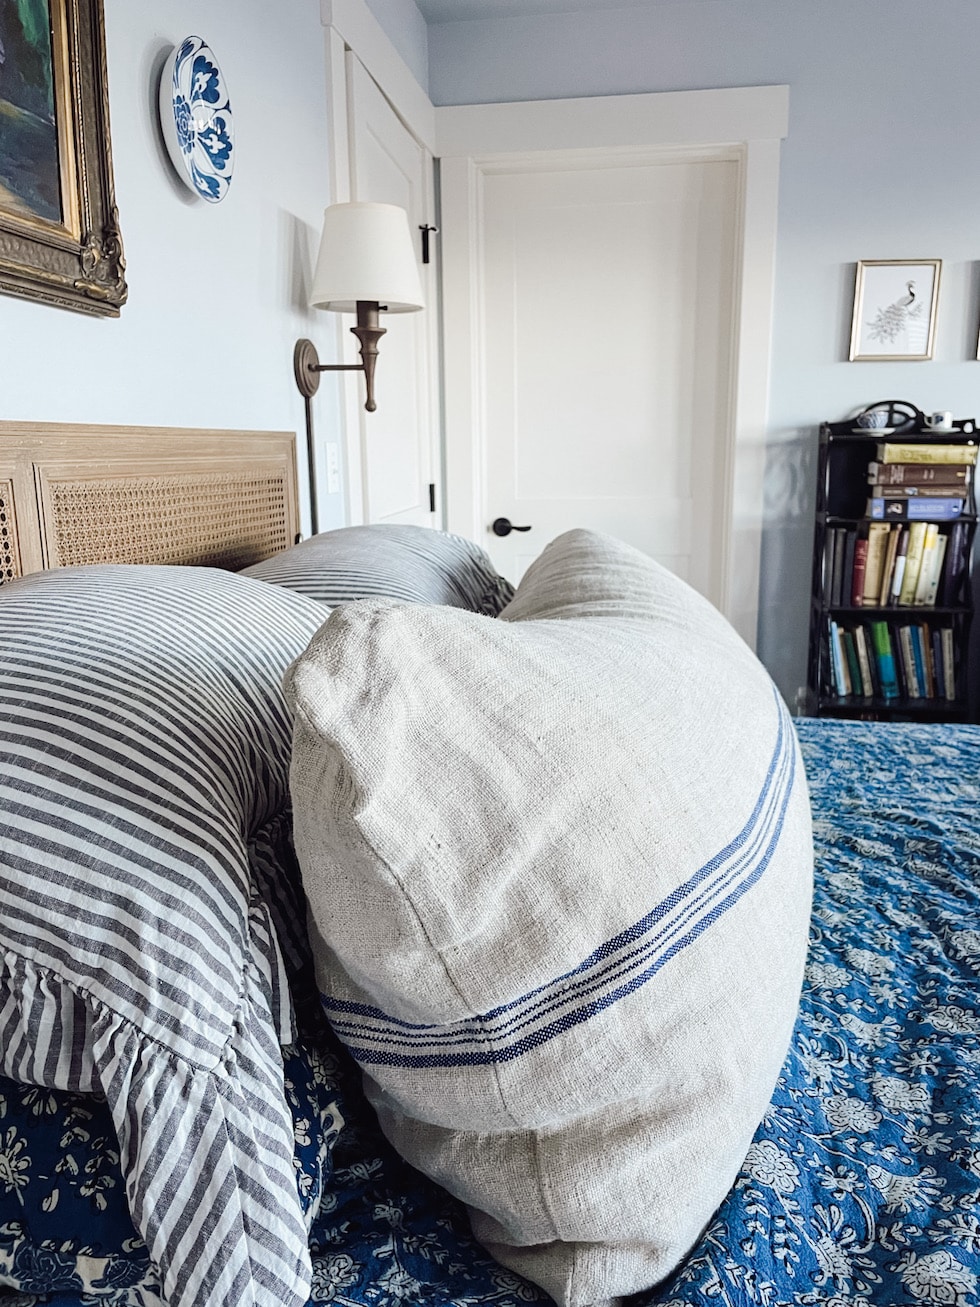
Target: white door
608, 321
393, 459
607, 277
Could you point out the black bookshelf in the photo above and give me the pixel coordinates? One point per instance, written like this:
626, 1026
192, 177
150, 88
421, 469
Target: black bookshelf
928, 641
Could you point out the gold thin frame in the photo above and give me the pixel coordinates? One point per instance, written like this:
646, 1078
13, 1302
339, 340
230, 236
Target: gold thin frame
859, 351
78, 263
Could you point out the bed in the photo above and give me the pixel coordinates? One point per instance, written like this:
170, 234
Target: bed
860, 1185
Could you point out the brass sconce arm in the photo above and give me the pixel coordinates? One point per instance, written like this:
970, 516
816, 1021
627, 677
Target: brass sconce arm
307, 365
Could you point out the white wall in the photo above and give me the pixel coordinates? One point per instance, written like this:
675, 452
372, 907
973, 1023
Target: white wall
880, 162
217, 292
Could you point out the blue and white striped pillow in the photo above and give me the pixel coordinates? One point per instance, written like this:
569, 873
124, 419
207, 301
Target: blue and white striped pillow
559, 868
411, 563
144, 745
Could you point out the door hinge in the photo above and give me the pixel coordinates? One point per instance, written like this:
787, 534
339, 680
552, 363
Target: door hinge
426, 231
432, 496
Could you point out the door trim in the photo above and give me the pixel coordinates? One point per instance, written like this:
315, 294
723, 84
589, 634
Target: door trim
352, 33
361, 32
744, 123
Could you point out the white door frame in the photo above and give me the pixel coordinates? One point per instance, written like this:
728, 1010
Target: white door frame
350, 25
753, 120
472, 140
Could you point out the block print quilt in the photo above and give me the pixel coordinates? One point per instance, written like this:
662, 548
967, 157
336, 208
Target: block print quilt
862, 1185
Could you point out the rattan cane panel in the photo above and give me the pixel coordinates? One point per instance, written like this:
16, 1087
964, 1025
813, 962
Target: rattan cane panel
9, 550
223, 520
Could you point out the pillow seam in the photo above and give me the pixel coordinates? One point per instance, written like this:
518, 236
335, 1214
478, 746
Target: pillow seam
301, 712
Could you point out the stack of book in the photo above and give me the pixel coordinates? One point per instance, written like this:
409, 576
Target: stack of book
892, 660
920, 482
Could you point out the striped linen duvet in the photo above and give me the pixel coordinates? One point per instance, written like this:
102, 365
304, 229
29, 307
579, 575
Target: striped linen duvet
144, 747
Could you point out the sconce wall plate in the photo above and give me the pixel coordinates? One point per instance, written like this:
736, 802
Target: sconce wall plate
196, 119
306, 368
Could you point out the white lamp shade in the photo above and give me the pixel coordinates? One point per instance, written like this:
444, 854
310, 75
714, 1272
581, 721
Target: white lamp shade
366, 253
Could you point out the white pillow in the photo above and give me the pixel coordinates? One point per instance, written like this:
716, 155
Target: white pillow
559, 872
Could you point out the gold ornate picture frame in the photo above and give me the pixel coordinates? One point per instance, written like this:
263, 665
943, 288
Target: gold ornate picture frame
895, 302
59, 227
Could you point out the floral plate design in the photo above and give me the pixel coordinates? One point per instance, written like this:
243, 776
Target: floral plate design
195, 114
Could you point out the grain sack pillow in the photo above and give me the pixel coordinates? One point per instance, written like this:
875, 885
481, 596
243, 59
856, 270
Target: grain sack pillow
396, 560
559, 873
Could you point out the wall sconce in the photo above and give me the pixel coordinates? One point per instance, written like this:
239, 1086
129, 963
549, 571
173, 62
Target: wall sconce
366, 265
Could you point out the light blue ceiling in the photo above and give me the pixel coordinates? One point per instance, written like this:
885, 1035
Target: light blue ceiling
447, 11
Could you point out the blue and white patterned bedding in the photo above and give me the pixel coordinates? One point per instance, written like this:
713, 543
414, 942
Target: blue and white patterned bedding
862, 1185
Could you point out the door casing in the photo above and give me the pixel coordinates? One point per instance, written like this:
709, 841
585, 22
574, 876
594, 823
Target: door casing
464, 139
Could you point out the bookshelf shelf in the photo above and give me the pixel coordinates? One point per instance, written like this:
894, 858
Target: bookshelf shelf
891, 604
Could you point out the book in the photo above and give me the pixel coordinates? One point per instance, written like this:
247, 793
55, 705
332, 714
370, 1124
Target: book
878, 533
853, 666
925, 452
885, 659
913, 561
898, 572
847, 569
833, 671
927, 564
925, 640
838, 667
932, 586
949, 665
920, 474
937, 662
918, 661
857, 571
864, 662
915, 508
912, 688
956, 559
888, 569
837, 566
911, 491
827, 578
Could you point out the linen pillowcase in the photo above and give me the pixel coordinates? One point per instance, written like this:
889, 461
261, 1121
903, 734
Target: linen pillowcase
559, 874
413, 563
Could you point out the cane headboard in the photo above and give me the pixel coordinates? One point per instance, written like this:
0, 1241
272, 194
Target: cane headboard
109, 494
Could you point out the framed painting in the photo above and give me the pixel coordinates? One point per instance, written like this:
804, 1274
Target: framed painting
895, 304
59, 227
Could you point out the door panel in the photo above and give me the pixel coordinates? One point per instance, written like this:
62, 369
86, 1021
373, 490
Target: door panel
607, 322
396, 445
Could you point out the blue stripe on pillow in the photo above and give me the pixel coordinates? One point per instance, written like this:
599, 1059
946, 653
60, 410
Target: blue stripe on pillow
615, 970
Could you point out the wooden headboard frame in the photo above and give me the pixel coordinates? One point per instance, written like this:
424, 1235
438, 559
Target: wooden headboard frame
108, 494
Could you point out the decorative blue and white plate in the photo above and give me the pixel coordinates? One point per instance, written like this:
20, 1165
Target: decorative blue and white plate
195, 114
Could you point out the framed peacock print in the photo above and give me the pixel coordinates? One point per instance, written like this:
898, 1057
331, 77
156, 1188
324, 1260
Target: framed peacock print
59, 227
895, 302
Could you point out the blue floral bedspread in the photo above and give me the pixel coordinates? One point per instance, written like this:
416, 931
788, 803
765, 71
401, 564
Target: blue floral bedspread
862, 1185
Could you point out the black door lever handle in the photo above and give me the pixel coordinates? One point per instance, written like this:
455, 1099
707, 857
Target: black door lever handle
502, 526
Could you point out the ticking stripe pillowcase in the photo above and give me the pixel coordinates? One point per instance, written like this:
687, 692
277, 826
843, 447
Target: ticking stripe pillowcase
559, 872
412, 563
144, 746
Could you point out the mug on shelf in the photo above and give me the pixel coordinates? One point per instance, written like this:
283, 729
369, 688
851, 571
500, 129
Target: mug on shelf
939, 421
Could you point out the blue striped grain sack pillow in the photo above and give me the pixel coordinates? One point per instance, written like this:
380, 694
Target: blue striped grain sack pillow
413, 563
144, 746
559, 869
